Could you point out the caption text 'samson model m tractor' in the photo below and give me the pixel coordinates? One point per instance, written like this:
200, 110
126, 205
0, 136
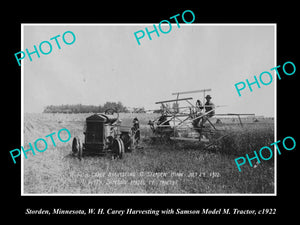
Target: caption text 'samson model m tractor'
104, 134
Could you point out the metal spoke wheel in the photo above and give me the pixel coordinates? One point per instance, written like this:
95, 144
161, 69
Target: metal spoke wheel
77, 147
118, 148
127, 140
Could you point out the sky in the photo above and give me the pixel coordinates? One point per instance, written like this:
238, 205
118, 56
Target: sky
105, 63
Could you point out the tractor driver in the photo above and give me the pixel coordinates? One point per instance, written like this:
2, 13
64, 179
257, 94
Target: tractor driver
136, 130
199, 106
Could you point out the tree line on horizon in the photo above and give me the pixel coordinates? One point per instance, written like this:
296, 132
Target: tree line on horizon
118, 106
79, 108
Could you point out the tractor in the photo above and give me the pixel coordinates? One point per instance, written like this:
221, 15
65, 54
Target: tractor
103, 134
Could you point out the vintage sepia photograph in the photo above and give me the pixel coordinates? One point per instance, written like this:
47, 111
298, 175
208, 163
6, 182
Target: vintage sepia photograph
103, 114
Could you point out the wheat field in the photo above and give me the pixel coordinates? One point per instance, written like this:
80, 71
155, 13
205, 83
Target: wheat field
156, 168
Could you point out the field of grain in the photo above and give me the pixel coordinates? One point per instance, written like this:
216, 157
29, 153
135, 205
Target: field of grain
157, 168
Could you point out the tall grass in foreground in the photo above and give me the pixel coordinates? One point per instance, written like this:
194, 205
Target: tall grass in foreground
247, 139
56, 171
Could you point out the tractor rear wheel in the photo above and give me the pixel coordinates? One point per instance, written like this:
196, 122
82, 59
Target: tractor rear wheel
125, 137
118, 148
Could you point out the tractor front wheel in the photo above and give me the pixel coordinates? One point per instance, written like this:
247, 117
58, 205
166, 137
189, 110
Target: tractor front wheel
77, 147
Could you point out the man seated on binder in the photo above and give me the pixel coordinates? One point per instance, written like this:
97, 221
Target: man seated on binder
209, 106
209, 109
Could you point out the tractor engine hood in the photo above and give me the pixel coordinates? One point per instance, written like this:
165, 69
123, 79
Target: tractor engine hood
104, 118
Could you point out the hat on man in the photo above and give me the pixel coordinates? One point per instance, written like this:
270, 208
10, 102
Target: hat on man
208, 97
